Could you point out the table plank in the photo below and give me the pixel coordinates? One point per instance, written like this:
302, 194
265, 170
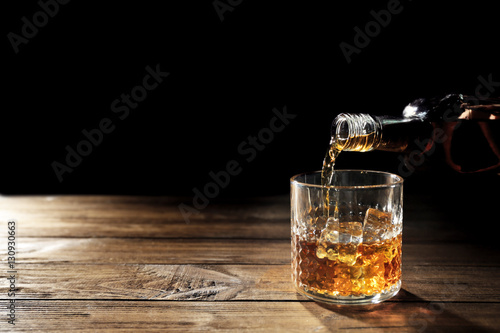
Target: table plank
148, 208
88, 316
115, 216
153, 251
221, 251
232, 282
159, 217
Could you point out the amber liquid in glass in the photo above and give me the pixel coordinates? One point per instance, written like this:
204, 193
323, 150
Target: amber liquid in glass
377, 269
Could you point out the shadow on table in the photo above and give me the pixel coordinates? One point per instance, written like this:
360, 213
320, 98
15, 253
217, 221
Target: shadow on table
414, 314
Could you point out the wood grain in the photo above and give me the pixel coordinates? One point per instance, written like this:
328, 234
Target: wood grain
159, 217
116, 216
220, 251
232, 282
179, 316
153, 251
123, 263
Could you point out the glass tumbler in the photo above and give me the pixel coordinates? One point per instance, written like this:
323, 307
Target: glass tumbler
346, 238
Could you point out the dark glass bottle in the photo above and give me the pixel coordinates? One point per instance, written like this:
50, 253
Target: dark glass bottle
463, 129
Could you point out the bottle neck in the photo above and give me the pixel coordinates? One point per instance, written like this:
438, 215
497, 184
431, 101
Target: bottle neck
363, 132
356, 132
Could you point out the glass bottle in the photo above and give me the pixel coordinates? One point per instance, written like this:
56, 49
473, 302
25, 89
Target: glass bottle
464, 129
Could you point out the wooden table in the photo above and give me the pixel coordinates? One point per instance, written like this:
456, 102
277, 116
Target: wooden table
126, 263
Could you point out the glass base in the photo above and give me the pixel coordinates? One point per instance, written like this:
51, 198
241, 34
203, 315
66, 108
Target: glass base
353, 300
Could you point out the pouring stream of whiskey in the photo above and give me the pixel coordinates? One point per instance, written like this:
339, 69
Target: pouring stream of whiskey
327, 176
361, 142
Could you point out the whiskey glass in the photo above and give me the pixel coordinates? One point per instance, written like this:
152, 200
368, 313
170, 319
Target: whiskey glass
346, 246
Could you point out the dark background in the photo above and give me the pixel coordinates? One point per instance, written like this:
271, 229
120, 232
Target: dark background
225, 79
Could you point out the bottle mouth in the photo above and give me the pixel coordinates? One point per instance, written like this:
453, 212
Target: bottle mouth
352, 131
342, 127
350, 124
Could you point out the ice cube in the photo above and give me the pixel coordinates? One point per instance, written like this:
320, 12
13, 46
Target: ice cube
328, 239
377, 226
321, 252
340, 241
333, 252
351, 232
350, 238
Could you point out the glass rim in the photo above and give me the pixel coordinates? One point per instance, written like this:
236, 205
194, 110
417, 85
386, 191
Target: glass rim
398, 180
